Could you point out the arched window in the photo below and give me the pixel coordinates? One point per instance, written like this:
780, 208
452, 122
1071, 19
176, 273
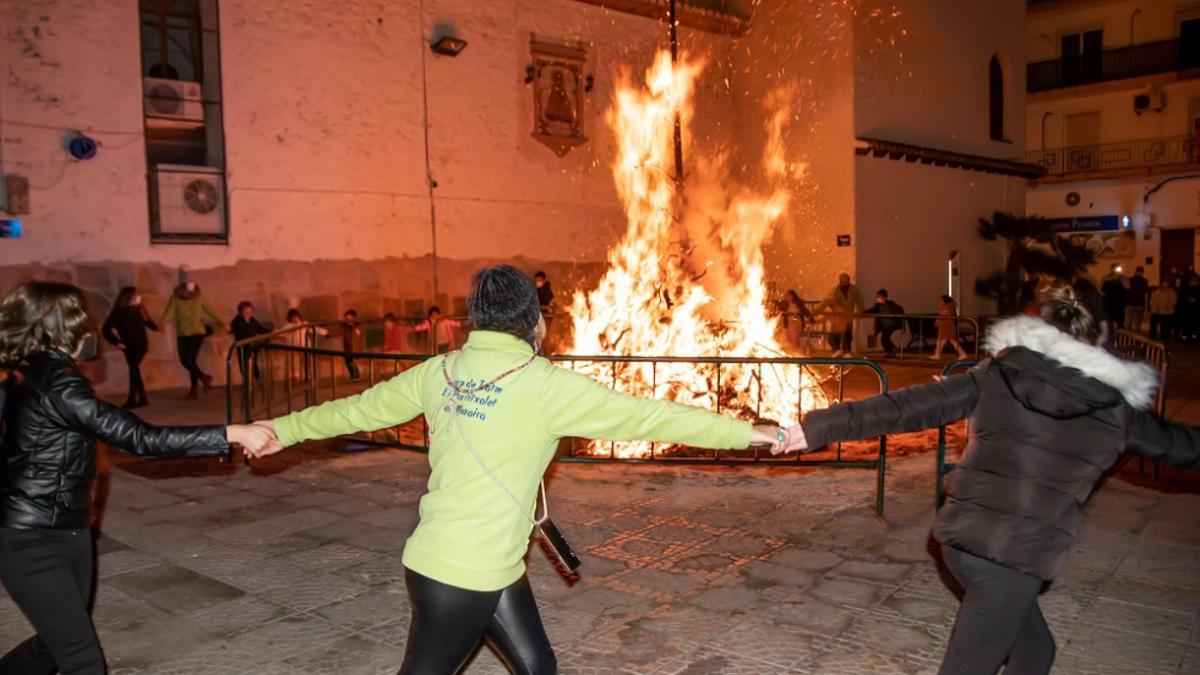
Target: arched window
995, 99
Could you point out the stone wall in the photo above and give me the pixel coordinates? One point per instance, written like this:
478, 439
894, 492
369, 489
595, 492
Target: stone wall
321, 289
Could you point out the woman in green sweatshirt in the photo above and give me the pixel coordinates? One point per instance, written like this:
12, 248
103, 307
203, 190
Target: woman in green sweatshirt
496, 412
189, 305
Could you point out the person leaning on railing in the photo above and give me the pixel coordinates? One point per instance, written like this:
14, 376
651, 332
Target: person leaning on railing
496, 412
1049, 415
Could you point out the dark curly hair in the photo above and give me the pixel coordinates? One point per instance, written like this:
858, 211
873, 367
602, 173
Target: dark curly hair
503, 299
39, 316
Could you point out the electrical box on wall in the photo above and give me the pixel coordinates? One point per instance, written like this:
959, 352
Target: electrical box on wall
16, 195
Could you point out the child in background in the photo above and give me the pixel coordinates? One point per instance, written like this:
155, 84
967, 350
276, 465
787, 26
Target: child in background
393, 334
441, 329
351, 340
244, 326
295, 337
948, 328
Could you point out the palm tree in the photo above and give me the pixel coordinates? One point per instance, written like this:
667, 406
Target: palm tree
1034, 251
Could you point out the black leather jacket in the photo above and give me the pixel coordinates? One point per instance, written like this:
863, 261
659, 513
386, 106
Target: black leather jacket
52, 420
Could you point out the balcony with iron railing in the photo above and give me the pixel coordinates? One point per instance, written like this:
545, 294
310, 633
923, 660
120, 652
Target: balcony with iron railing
1151, 58
1154, 155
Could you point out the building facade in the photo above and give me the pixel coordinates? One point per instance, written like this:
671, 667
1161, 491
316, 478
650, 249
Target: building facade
1113, 115
365, 154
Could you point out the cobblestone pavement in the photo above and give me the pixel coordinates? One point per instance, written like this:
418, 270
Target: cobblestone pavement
294, 567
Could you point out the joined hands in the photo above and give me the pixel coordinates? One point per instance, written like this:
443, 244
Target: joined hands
779, 440
257, 439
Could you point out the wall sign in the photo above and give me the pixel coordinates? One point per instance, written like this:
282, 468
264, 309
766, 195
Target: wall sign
843, 240
10, 229
1085, 224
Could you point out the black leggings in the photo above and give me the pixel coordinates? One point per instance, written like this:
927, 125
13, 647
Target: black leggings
998, 622
48, 573
448, 622
137, 388
189, 351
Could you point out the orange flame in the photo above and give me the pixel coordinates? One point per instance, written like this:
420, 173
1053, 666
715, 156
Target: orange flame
687, 278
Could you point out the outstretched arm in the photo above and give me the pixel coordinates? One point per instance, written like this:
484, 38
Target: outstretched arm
124, 431
577, 405
387, 404
168, 309
208, 309
1163, 441
909, 409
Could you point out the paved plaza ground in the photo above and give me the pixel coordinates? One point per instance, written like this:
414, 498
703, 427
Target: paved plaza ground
293, 566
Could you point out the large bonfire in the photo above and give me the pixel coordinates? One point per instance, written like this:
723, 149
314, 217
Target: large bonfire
687, 278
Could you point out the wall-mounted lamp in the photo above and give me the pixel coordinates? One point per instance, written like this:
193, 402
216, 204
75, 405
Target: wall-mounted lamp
448, 45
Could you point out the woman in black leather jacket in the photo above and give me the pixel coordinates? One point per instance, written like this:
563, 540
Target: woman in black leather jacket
51, 422
1050, 413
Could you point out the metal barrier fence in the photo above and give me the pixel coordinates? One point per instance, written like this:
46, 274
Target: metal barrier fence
1141, 348
916, 331
295, 376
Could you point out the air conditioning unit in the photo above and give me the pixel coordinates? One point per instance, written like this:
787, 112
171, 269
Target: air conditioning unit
173, 100
190, 199
1151, 98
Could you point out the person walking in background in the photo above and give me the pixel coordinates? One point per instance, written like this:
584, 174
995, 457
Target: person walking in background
1115, 288
842, 305
244, 326
188, 305
125, 328
796, 318
352, 341
300, 338
52, 420
496, 412
1162, 311
440, 330
947, 328
886, 325
1048, 416
1138, 295
392, 337
296, 335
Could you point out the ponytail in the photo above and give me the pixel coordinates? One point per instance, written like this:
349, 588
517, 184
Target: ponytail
1075, 309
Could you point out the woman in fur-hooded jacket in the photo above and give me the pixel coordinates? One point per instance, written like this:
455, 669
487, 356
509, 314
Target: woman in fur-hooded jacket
1050, 413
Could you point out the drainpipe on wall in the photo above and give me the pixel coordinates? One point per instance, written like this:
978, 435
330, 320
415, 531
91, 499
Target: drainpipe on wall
1044, 116
429, 180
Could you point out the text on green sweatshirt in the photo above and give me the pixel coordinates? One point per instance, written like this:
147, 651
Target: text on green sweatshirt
471, 534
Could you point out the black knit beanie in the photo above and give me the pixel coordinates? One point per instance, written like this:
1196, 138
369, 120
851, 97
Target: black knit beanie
503, 299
